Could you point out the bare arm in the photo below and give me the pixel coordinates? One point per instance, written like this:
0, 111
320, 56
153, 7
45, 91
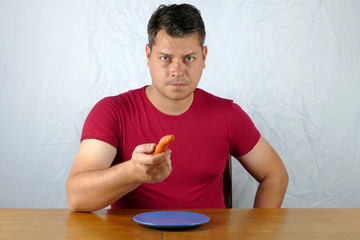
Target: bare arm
93, 184
265, 165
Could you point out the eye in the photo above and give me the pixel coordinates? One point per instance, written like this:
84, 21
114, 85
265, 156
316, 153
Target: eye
164, 58
189, 59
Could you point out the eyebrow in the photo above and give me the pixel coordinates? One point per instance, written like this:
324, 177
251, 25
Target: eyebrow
170, 55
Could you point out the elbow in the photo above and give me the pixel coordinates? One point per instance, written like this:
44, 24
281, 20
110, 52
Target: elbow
284, 182
81, 199
281, 180
72, 204
74, 200
278, 178
76, 204
285, 179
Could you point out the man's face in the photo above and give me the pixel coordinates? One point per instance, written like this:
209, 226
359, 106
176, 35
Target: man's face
176, 65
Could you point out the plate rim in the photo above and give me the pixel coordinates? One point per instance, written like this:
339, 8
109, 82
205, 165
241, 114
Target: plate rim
207, 219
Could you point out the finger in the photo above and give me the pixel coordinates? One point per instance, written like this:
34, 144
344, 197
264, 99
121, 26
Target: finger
145, 148
165, 162
159, 158
158, 173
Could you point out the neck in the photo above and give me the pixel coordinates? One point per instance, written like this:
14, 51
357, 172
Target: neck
167, 105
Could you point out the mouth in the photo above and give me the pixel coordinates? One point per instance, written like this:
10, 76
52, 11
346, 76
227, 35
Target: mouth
178, 83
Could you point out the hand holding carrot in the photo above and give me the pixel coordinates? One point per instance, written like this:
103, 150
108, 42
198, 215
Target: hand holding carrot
152, 162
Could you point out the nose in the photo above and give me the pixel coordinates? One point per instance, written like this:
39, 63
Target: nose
177, 68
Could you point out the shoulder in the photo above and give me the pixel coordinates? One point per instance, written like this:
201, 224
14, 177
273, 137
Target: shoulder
126, 98
131, 95
116, 106
219, 104
208, 98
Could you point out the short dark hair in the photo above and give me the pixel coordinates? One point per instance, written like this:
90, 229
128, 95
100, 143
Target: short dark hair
178, 21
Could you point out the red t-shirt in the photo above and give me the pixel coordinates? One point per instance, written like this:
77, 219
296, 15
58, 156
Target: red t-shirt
205, 134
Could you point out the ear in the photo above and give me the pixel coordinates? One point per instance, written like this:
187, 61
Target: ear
204, 54
148, 53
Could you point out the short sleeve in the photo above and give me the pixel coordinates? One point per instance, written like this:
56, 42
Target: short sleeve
243, 133
102, 123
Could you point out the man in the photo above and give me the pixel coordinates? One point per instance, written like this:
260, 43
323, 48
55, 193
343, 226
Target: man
115, 164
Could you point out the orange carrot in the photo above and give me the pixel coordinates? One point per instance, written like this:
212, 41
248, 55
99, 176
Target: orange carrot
164, 143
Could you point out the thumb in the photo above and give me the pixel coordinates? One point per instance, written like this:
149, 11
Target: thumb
151, 147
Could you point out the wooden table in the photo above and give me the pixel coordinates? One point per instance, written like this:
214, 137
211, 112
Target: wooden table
261, 224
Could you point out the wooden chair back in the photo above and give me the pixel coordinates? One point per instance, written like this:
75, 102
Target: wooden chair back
227, 182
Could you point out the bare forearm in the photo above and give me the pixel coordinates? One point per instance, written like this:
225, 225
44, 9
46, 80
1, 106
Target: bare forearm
94, 190
271, 191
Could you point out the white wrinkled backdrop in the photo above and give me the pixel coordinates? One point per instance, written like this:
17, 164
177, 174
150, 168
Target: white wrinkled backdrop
294, 67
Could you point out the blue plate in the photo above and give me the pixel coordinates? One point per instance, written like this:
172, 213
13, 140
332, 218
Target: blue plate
171, 219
